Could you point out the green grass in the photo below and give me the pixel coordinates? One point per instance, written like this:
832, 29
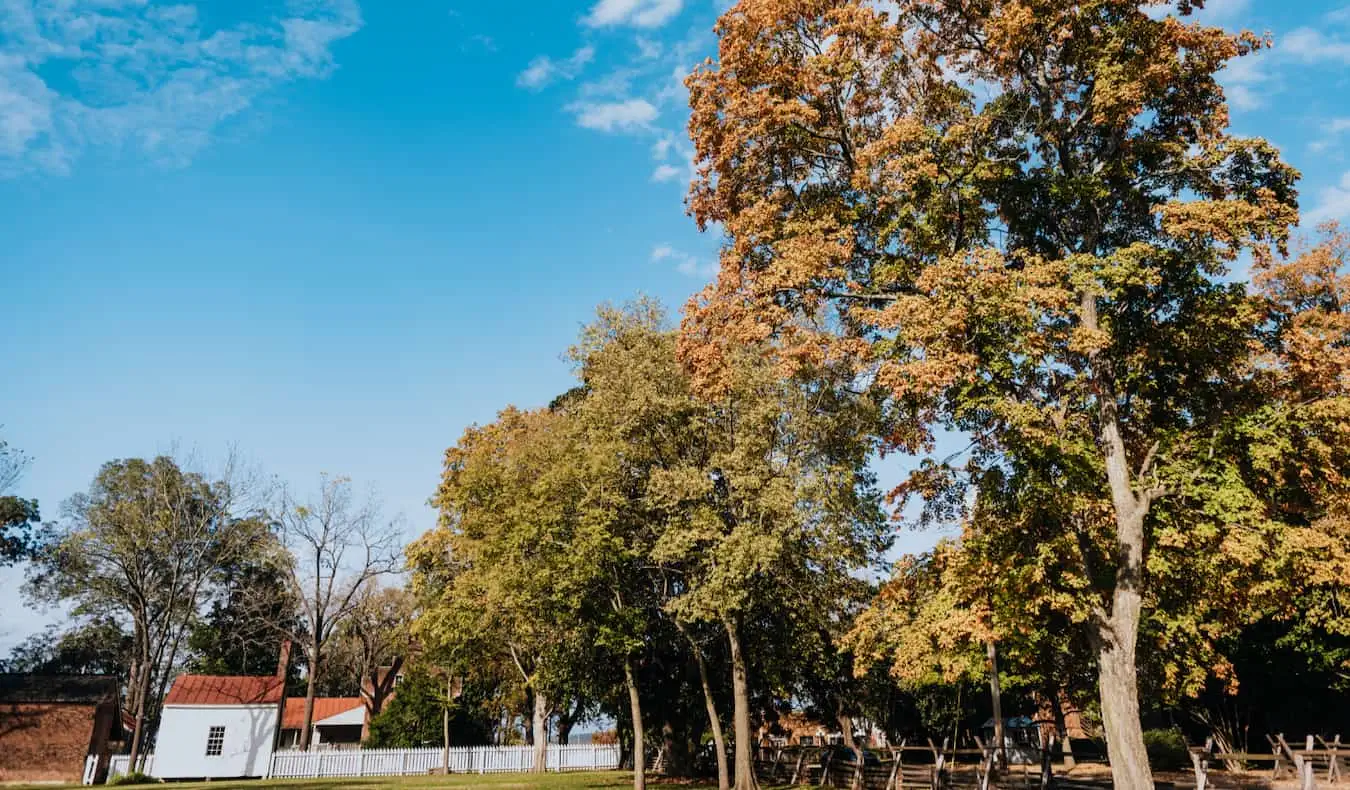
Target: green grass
605, 780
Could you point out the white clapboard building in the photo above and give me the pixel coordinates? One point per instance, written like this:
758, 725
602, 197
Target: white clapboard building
218, 727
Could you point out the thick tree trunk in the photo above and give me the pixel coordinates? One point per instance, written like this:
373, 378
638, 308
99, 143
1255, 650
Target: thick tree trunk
539, 732
1061, 726
310, 684
639, 740
996, 696
740, 692
1116, 632
714, 723
845, 722
1117, 676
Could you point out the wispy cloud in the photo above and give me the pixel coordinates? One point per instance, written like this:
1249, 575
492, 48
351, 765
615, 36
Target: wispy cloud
143, 77
1331, 132
1333, 202
685, 263
1310, 45
544, 70
1243, 81
620, 116
648, 48
665, 172
636, 13
1223, 12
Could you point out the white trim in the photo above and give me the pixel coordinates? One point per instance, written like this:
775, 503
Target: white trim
349, 717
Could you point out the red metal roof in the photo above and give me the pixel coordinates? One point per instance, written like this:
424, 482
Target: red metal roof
293, 717
224, 690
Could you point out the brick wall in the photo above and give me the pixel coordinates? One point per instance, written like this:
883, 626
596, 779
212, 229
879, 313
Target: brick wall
43, 742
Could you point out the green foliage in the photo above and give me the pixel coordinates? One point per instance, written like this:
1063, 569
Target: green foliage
98, 646
135, 778
237, 635
413, 717
18, 522
1167, 750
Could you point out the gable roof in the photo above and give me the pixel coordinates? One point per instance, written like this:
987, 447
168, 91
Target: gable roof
293, 717
85, 689
225, 690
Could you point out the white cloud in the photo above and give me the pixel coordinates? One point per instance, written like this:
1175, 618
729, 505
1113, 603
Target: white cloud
661, 148
1241, 78
622, 116
664, 173
145, 77
544, 70
636, 13
1309, 45
1331, 132
685, 263
1333, 202
1223, 12
647, 48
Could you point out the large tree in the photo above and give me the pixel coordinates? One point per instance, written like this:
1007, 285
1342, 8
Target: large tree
331, 548
1018, 217
495, 580
142, 547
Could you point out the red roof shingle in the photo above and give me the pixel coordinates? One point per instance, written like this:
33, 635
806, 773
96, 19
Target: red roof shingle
224, 690
293, 717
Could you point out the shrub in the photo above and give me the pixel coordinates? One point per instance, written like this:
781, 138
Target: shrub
1167, 750
134, 778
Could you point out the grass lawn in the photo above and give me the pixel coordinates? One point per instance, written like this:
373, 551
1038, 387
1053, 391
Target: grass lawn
600, 780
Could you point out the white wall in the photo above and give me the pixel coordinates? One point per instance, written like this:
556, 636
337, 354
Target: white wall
180, 749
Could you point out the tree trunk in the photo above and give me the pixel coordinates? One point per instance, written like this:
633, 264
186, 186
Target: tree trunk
740, 692
845, 722
995, 694
1117, 676
445, 725
714, 724
639, 745
1116, 632
1061, 726
539, 732
310, 684
142, 682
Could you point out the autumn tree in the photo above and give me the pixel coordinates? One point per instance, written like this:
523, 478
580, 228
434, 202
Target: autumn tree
330, 548
143, 547
1018, 218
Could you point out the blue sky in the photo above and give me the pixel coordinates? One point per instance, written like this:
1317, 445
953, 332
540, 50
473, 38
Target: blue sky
335, 234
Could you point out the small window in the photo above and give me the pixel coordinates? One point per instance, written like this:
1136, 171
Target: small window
397, 680
215, 741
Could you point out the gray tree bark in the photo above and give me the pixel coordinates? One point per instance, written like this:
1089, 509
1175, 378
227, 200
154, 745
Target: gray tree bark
639, 739
740, 691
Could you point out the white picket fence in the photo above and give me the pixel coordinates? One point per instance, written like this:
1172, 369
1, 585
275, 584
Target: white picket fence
463, 760
118, 764
411, 762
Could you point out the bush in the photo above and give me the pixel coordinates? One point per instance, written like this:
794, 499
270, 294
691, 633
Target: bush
1167, 750
134, 778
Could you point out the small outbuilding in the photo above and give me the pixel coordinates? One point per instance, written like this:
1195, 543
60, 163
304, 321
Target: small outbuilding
339, 722
51, 724
219, 726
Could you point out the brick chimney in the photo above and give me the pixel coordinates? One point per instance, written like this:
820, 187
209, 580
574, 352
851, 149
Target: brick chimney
284, 660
